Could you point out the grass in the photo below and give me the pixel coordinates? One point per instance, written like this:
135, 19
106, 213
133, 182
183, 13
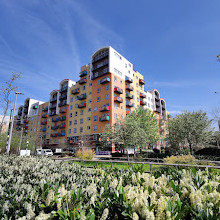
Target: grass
146, 167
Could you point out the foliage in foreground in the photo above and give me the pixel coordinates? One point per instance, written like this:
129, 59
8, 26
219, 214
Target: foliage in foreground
86, 154
40, 188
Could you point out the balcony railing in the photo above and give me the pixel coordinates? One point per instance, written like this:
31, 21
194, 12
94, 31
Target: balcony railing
101, 73
55, 119
53, 106
63, 118
26, 121
35, 107
55, 127
142, 95
54, 135
157, 104
129, 96
104, 118
18, 123
64, 102
43, 122
105, 80
104, 108
25, 127
81, 97
64, 88
99, 65
82, 81
130, 88
25, 110
118, 90
141, 81
62, 126
26, 104
63, 110
83, 73
128, 79
20, 112
75, 91
52, 113
44, 116
82, 105
53, 99
63, 96
43, 129
100, 57
157, 97
45, 109
128, 112
129, 104
143, 103
118, 99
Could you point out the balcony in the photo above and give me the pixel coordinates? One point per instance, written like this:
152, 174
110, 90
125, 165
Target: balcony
62, 126
118, 90
43, 129
83, 73
157, 97
118, 99
128, 111
141, 81
26, 121
43, 122
54, 135
54, 99
35, 107
142, 95
82, 81
82, 105
105, 80
53, 106
64, 89
62, 134
25, 110
26, 105
76, 91
63, 96
18, 129
100, 65
101, 73
104, 108
64, 102
63, 118
128, 79
129, 104
55, 119
20, 112
104, 118
163, 107
100, 57
18, 123
157, 104
129, 88
25, 127
129, 96
52, 113
45, 109
44, 136
143, 103
55, 127
44, 116
63, 110
81, 97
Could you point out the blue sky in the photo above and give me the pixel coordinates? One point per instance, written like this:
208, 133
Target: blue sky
172, 43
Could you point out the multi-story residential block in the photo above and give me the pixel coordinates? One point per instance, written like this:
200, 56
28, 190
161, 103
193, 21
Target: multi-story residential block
107, 90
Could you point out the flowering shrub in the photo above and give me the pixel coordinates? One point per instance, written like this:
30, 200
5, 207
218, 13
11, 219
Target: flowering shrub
87, 154
40, 188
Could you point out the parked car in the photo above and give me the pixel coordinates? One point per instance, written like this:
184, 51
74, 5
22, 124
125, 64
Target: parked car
44, 152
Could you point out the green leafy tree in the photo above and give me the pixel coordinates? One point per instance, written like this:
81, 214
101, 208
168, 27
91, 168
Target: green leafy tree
137, 129
193, 128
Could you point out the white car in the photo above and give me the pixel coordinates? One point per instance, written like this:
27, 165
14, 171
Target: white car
44, 152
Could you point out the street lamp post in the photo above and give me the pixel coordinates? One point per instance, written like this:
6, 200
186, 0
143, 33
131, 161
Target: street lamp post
12, 122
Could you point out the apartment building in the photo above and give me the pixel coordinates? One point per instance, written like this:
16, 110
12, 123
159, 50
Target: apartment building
108, 89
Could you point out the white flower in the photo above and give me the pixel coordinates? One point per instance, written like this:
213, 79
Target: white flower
104, 214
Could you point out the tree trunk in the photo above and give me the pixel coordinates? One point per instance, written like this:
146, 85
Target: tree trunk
190, 147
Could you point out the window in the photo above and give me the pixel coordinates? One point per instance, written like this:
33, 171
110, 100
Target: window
95, 138
121, 81
90, 93
136, 84
75, 122
76, 98
116, 106
115, 79
148, 98
106, 96
106, 87
98, 99
88, 127
90, 84
70, 123
75, 130
98, 90
88, 119
117, 55
71, 115
84, 87
136, 77
75, 138
95, 109
90, 101
116, 116
137, 99
121, 107
81, 112
95, 118
81, 129
137, 92
98, 82
71, 107
89, 109
69, 131
126, 65
95, 127
76, 113
81, 120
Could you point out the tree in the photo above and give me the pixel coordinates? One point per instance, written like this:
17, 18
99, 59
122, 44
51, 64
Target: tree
5, 93
191, 127
137, 129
